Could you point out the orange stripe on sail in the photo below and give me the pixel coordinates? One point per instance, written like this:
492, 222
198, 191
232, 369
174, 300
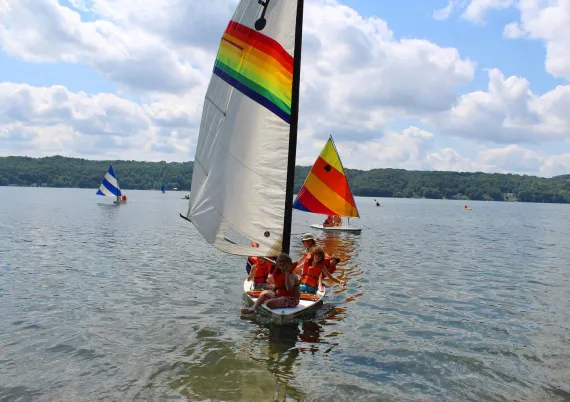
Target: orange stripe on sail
333, 179
328, 197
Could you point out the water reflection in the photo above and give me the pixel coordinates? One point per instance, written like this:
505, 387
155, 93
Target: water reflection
262, 366
341, 244
214, 368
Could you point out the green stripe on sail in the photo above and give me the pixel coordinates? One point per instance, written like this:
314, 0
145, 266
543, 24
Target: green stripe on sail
260, 89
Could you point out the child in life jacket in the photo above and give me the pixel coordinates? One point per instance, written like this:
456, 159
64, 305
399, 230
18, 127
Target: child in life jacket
313, 267
285, 293
329, 221
260, 272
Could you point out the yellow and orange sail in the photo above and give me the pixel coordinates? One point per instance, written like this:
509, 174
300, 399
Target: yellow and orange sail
326, 190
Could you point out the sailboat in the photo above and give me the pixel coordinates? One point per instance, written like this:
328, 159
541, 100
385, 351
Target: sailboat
326, 191
250, 109
162, 189
110, 187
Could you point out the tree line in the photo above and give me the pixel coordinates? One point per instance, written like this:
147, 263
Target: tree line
59, 171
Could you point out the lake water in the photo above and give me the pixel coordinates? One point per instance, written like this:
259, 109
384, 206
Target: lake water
125, 302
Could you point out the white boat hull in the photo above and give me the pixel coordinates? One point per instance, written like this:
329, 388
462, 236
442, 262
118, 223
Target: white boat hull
343, 228
285, 315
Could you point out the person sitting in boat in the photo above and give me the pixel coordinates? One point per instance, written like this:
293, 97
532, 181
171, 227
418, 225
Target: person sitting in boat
337, 221
377, 204
124, 198
331, 262
260, 273
286, 292
329, 221
310, 242
251, 261
313, 267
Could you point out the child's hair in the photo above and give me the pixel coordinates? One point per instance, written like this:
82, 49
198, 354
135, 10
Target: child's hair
317, 250
284, 257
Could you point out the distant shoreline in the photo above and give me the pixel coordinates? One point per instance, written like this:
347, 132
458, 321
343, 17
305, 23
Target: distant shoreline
64, 172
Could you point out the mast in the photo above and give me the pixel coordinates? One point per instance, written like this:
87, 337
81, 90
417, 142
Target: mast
293, 128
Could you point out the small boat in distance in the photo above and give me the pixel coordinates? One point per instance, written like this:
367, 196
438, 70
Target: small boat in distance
466, 208
326, 191
110, 187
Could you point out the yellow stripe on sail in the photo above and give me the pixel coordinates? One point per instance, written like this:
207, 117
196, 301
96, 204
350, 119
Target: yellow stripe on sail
330, 155
328, 197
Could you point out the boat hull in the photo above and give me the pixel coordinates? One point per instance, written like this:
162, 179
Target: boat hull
285, 315
350, 229
119, 202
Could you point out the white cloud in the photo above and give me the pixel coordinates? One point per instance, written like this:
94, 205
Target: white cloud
412, 148
512, 158
46, 31
444, 13
545, 20
556, 165
52, 120
516, 159
508, 113
548, 21
357, 77
477, 9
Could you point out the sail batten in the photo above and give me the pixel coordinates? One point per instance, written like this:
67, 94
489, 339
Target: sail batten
326, 190
109, 185
240, 170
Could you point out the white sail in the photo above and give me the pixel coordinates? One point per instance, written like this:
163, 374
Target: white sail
240, 167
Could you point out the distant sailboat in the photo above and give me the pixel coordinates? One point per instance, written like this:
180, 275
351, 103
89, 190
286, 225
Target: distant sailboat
251, 109
162, 189
326, 191
110, 187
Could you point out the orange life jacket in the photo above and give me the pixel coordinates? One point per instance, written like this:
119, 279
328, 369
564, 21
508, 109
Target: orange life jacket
263, 269
280, 288
311, 274
327, 262
328, 265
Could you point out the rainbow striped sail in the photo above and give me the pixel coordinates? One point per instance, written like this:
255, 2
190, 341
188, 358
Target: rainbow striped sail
250, 109
258, 67
326, 190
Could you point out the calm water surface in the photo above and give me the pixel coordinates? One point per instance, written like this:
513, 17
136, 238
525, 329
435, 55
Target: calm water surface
99, 301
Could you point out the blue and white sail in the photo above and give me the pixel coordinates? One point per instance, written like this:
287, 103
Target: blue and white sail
109, 186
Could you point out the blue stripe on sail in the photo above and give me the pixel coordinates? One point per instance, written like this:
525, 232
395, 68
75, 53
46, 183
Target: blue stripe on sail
251, 94
112, 172
111, 188
107, 188
298, 205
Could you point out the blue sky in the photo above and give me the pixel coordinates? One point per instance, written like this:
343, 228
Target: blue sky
125, 62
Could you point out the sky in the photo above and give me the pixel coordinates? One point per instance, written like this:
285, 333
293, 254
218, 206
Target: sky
462, 85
